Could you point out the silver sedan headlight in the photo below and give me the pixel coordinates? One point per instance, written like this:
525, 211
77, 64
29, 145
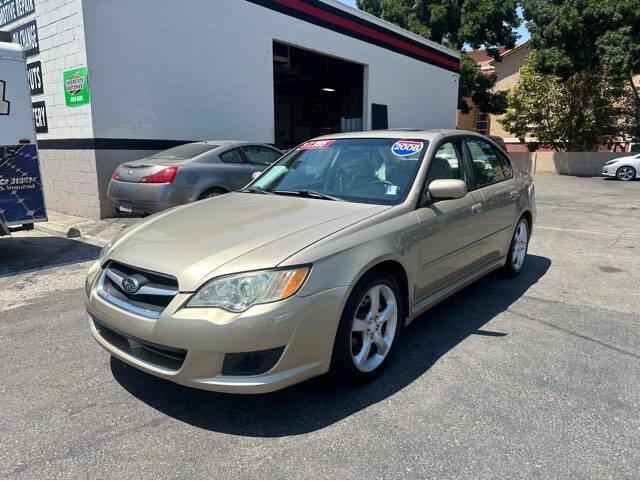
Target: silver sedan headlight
238, 292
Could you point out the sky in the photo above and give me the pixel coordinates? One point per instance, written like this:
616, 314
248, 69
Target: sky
522, 31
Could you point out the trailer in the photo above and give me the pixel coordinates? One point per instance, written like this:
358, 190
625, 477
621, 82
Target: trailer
21, 193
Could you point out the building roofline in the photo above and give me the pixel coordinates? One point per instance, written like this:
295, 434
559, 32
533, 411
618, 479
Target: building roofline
512, 51
383, 23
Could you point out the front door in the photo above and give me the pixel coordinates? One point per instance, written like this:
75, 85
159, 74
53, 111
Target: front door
450, 230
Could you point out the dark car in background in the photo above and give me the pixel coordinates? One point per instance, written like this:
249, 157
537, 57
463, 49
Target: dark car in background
187, 173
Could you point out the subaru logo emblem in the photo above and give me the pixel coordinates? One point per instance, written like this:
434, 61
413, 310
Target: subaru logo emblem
130, 285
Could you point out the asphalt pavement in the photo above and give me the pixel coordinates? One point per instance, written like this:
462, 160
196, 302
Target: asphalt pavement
533, 377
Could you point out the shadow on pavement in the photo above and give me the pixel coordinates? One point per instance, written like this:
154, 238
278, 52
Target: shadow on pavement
21, 254
319, 402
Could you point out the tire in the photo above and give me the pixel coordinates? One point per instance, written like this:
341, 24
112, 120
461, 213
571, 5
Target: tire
351, 337
518, 248
210, 193
626, 173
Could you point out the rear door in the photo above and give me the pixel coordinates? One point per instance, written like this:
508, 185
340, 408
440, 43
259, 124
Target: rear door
494, 179
450, 230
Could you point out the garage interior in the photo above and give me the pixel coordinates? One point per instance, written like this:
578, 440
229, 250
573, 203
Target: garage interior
314, 95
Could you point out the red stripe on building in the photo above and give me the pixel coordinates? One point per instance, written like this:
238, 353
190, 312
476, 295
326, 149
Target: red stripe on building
368, 32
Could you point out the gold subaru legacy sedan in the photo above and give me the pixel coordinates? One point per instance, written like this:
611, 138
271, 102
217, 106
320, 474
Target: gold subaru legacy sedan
316, 266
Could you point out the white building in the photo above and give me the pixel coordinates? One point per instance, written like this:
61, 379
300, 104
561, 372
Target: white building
162, 72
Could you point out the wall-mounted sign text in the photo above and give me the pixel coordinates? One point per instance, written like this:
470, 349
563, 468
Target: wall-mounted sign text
12, 10
34, 70
40, 117
76, 87
27, 36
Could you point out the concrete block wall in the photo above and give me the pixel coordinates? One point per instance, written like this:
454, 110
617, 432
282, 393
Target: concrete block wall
580, 164
70, 184
62, 47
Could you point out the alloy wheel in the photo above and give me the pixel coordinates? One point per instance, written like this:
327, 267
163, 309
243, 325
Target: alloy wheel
625, 173
374, 328
519, 245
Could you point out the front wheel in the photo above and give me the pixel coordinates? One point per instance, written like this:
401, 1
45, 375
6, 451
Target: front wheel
518, 248
626, 173
368, 330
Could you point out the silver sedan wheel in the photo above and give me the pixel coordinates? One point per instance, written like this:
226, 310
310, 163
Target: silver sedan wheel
519, 245
626, 173
374, 328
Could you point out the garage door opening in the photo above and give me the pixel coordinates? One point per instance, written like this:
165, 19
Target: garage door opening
314, 95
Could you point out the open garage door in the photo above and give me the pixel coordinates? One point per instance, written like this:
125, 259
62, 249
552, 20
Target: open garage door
314, 95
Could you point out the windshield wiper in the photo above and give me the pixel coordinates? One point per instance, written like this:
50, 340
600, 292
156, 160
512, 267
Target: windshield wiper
308, 193
255, 190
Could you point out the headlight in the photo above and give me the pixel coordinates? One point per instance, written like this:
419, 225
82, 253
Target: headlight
238, 292
611, 162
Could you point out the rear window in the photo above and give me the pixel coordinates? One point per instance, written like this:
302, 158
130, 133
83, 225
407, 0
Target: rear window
183, 152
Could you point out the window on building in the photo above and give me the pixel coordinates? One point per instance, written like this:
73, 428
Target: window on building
482, 123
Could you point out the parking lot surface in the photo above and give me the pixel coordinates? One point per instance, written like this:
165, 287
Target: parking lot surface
533, 377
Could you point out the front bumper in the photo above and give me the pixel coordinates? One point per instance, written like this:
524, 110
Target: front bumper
608, 171
304, 327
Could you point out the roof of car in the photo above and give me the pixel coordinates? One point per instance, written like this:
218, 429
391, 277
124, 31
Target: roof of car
428, 134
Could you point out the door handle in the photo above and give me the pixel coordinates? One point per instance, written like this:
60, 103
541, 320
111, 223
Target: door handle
476, 208
514, 194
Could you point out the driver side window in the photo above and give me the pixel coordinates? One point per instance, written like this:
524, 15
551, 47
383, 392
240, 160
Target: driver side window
447, 164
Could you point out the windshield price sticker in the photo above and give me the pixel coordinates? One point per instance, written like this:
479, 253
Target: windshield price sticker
316, 145
404, 148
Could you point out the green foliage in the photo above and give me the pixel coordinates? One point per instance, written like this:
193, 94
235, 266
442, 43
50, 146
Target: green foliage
478, 87
456, 23
575, 36
577, 113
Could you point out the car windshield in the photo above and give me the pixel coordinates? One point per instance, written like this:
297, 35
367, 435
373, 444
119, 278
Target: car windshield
373, 171
183, 152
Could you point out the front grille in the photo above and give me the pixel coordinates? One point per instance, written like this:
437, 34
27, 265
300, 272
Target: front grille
154, 292
170, 358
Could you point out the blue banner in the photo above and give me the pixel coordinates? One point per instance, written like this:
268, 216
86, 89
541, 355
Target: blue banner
21, 198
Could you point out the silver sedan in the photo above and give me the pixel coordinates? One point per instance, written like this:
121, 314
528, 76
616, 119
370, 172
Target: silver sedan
187, 173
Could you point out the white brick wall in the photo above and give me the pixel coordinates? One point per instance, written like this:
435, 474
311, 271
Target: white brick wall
162, 69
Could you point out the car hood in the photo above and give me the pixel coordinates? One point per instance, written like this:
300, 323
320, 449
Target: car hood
235, 232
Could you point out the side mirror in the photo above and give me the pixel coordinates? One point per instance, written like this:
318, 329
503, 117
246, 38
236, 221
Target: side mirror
443, 189
255, 175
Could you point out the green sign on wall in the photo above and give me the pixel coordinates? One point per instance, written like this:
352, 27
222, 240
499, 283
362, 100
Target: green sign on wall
76, 87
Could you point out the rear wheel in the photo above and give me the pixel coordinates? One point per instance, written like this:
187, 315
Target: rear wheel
626, 173
518, 248
210, 193
369, 329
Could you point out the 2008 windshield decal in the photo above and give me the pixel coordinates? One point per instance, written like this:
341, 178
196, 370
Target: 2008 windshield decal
404, 148
4, 103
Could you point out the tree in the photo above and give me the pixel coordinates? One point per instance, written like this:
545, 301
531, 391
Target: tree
577, 113
574, 36
458, 23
